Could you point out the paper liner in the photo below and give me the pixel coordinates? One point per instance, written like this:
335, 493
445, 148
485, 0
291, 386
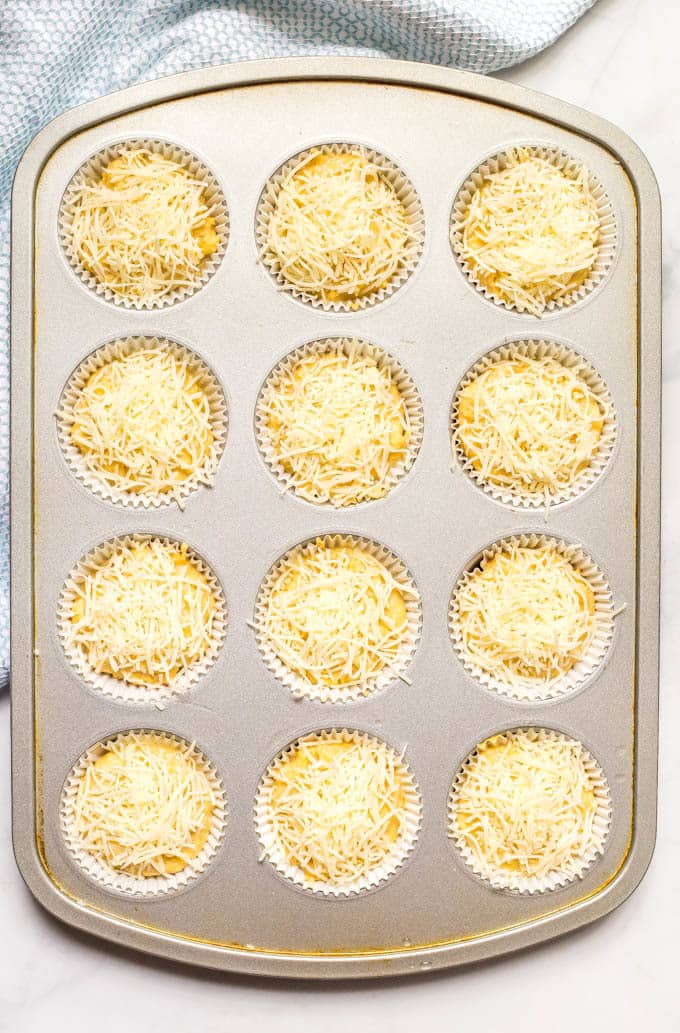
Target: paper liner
299, 686
121, 348
402, 848
405, 192
342, 346
214, 198
603, 621
137, 885
123, 691
577, 868
518, 496
607, 243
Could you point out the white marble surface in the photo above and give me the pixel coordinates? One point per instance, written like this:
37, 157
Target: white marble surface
621, 62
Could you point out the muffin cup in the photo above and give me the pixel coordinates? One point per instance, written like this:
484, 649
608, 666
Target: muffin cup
349, 346
596, 649
577, 868
395, 860
295, 683
137, 885
404, 190
116, 688
606, 247
91, 170
571, 360
119, 349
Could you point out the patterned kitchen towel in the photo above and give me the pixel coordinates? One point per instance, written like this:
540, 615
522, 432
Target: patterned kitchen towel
58, 53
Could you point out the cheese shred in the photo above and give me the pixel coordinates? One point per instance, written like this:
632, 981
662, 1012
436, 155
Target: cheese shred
144, 615
525, 615
143, 227
337, 424
144, 806
530, 233
529, 425
335, 616
523, 807
143, 424
336, 808
338, 231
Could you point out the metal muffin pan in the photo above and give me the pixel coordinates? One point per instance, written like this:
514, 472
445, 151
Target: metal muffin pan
243, 121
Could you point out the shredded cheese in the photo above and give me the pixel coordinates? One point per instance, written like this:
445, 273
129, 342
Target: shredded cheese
338, 231
336, 807
334, 615
144, 806
338, 426
143, 228
528, 424
143, 424
144, 616
524, 806
530, 233
526, 615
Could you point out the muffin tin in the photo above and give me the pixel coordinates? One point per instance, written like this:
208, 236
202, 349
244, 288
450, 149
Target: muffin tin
244, 122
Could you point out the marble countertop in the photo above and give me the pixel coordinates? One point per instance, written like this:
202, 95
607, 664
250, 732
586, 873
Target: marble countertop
620, 62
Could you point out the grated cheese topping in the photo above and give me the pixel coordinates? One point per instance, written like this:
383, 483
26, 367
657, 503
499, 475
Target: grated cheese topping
142, 423
336, 807
531, 232
335, 615
524, 806
145, 806
143, 228
145, 615
526, 615
337, 424
338, 230
529, 424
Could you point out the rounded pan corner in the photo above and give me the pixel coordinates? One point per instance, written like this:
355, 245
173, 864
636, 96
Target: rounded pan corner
37, 879
634, 868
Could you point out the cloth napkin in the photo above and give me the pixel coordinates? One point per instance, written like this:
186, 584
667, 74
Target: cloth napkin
55, 54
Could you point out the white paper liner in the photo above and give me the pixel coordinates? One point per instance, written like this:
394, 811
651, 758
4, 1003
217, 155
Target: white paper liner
120, 348
214, 198
295, 683
402, 848
518, 496
607, 243
342, 346
137, 885
517, 881
404, 190
116, 688
603, 623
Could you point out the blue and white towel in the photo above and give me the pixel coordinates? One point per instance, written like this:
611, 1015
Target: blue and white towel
55, 54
